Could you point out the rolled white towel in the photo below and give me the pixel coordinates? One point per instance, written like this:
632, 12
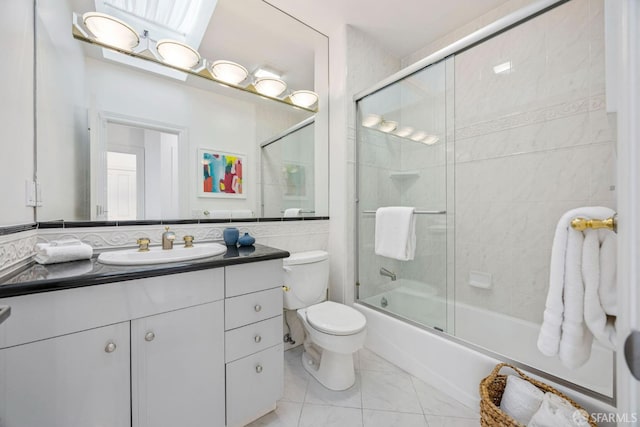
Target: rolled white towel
520, 399
557, 412
49, 254
292, 212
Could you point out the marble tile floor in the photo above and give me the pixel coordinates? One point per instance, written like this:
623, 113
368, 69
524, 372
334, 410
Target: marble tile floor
383, 396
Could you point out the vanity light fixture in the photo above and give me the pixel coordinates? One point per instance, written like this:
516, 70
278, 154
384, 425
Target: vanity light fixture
388, 126
229, 72
371, 120
303, 98
378, 123
270, 86
177, 54
418, 136
404, 131
115, 35
111, 31
266, 72
430, 140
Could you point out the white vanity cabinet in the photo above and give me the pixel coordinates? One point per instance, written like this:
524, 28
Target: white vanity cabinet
160, 362
176, 362
193, 349
253, 340
80, 379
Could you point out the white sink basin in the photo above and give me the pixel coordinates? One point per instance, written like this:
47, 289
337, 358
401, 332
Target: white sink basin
157, 255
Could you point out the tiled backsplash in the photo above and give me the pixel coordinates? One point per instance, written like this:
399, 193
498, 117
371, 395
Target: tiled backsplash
292, 236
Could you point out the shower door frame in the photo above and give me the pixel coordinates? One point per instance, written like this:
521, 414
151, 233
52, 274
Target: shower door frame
501, 25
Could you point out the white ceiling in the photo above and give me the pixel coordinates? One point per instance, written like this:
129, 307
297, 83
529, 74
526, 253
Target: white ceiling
401, 27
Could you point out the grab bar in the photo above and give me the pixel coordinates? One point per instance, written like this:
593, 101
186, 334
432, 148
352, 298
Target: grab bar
415, 212
582, 224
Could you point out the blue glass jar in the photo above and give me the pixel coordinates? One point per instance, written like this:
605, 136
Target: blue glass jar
230, 236
246, 240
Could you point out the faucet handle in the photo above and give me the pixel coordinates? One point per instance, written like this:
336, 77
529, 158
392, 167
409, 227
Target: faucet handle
143, 243
188, 241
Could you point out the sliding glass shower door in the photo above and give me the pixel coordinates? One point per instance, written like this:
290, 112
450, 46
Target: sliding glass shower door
402, 161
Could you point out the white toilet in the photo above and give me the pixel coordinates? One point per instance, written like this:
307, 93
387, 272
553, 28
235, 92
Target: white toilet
333, 332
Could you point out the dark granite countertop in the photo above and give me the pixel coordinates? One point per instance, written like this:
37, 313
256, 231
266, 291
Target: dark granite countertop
36, 278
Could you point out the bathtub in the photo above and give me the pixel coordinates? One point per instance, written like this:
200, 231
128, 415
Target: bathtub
457, 367
413, 300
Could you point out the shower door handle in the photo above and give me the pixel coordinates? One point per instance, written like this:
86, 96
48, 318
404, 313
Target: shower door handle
632, 353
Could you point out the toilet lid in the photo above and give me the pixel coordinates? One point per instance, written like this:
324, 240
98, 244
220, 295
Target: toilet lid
335, 319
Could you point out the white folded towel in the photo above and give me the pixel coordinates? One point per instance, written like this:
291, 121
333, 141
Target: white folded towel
563, 329
396, 232
599, 276
557, 412
520, 399
292, 212
46, 253
75, 268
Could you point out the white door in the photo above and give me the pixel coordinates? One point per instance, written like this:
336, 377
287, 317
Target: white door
122, 186
76, 380
178, 371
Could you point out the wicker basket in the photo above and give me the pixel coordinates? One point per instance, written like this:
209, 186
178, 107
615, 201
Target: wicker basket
491, 389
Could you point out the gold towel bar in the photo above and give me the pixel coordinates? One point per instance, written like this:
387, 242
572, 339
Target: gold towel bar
582, 224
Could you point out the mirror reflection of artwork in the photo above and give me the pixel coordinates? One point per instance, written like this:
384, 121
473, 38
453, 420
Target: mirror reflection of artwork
222, 174
295, 180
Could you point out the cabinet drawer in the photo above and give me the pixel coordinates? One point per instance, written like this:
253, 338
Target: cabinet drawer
245, 278
254, 384
40, 316
251, 308
252, 338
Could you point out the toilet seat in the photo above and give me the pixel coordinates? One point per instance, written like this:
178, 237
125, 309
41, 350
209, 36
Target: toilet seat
335, 319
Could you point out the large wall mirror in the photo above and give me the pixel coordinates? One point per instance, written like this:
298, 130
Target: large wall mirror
120, 138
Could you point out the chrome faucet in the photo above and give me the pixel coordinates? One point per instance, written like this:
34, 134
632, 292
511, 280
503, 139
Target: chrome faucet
385, 272
167, 238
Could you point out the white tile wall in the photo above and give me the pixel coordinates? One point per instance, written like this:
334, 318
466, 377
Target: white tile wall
529, 145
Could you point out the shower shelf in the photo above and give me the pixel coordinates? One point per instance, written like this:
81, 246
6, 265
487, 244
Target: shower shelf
403, 175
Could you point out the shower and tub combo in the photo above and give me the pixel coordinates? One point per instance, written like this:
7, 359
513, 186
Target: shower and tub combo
490, 157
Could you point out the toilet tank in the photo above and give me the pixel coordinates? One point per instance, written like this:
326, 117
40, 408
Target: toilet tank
306, 274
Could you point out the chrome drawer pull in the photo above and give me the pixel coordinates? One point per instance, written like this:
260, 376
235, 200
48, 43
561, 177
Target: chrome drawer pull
257, 338
149, 336
110, 348
257, 307
258, 368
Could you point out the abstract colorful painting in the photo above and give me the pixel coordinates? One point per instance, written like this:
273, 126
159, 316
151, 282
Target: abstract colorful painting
221, 174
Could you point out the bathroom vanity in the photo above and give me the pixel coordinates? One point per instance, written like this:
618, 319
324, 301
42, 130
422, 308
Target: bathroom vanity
189, 344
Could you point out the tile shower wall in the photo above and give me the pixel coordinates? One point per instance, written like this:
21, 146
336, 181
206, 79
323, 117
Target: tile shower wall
424, 108
405, 173
366, 64
530, 144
